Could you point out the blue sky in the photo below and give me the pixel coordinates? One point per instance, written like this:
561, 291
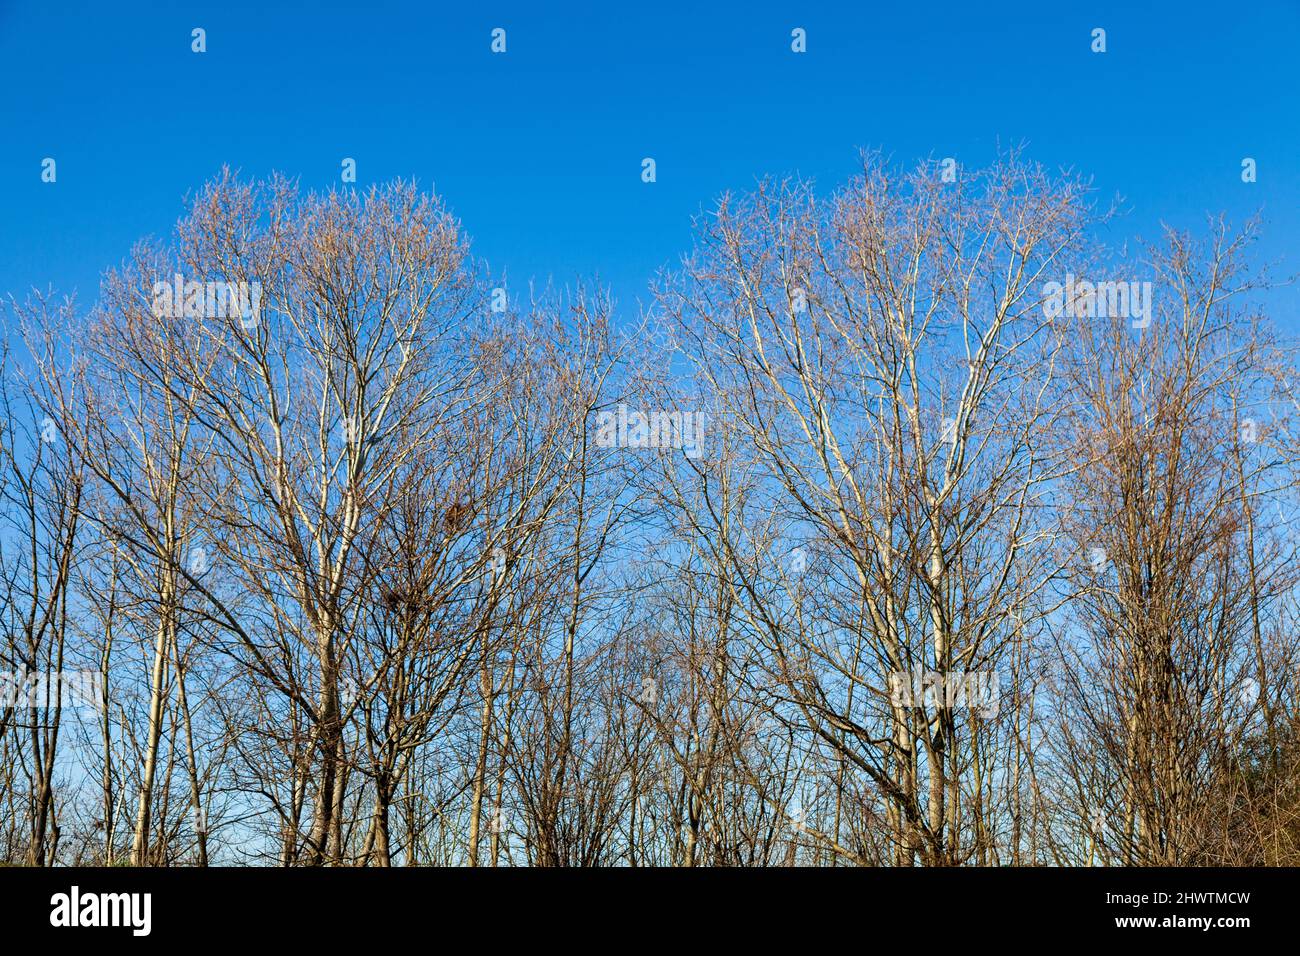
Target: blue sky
538, 151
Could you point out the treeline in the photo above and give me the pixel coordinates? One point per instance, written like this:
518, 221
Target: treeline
867, 545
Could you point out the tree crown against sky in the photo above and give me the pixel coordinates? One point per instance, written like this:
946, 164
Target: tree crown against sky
894, 558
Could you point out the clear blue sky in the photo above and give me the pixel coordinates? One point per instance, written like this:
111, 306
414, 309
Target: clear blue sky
538, 151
